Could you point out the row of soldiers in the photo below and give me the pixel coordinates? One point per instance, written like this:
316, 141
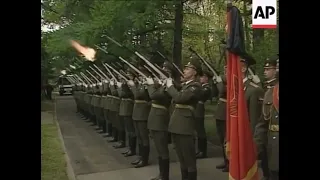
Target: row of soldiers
163, 110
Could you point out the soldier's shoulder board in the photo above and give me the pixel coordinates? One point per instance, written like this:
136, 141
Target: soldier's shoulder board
254, 85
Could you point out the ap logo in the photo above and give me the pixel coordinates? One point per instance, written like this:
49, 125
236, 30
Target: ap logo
264, 14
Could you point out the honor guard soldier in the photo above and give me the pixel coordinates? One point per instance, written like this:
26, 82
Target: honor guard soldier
205, 95
254, 97
267, 129
126, 108
75, 93
99, 107
121, 126
114, 112
88, 101
85, 101
103, 109
158, 121
106, 106
220, 116
91, 100
94, 98
140, 115
182, 121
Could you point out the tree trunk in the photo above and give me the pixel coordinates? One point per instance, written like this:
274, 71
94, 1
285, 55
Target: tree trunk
177, 39
246, 28
258, 36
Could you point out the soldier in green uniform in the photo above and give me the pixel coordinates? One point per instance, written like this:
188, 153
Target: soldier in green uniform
254, 97
267, 129
158, 121
206, 94
120, 120
93, 104
140, 115
102, 101
220, 116
106, 105
83, 101
126, 108
88, 101
75, 93
182, 121
99, 108
114, 112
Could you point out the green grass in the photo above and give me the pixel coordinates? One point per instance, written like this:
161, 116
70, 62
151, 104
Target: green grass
47, 105
53, 164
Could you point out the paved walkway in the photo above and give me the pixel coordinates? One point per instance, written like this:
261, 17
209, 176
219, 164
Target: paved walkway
93, 158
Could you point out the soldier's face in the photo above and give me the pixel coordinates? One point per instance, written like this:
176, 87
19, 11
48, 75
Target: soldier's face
270, 73
243, 67
225, 70
203, 79
188, 73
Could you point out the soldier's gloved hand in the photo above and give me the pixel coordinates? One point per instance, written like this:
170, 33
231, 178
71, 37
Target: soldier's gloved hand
106, 81
100, 84
169, 82
119, 84
112, 82
149, 81
218, 79
144, 81
130, 83
256, 79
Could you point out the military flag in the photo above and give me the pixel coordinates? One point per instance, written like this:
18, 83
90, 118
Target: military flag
240, 147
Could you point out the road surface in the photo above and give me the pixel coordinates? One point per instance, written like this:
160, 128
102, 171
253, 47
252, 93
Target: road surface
93, 158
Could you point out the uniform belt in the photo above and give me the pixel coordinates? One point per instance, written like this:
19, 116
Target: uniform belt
104, 96
140, 101
115, 97
222, 99
183, 106
158, 106
126, 99
200, 102
274, 128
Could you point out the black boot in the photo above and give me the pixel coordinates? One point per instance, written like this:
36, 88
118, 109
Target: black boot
140, 149
122, 143
165, 169
132, 147
264, 164
104, 126
184, 174
192, 175
169, 138
114, 135
159, 177
144, 157
226, 168
93, 119
202, 148
224, 164
109, 130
